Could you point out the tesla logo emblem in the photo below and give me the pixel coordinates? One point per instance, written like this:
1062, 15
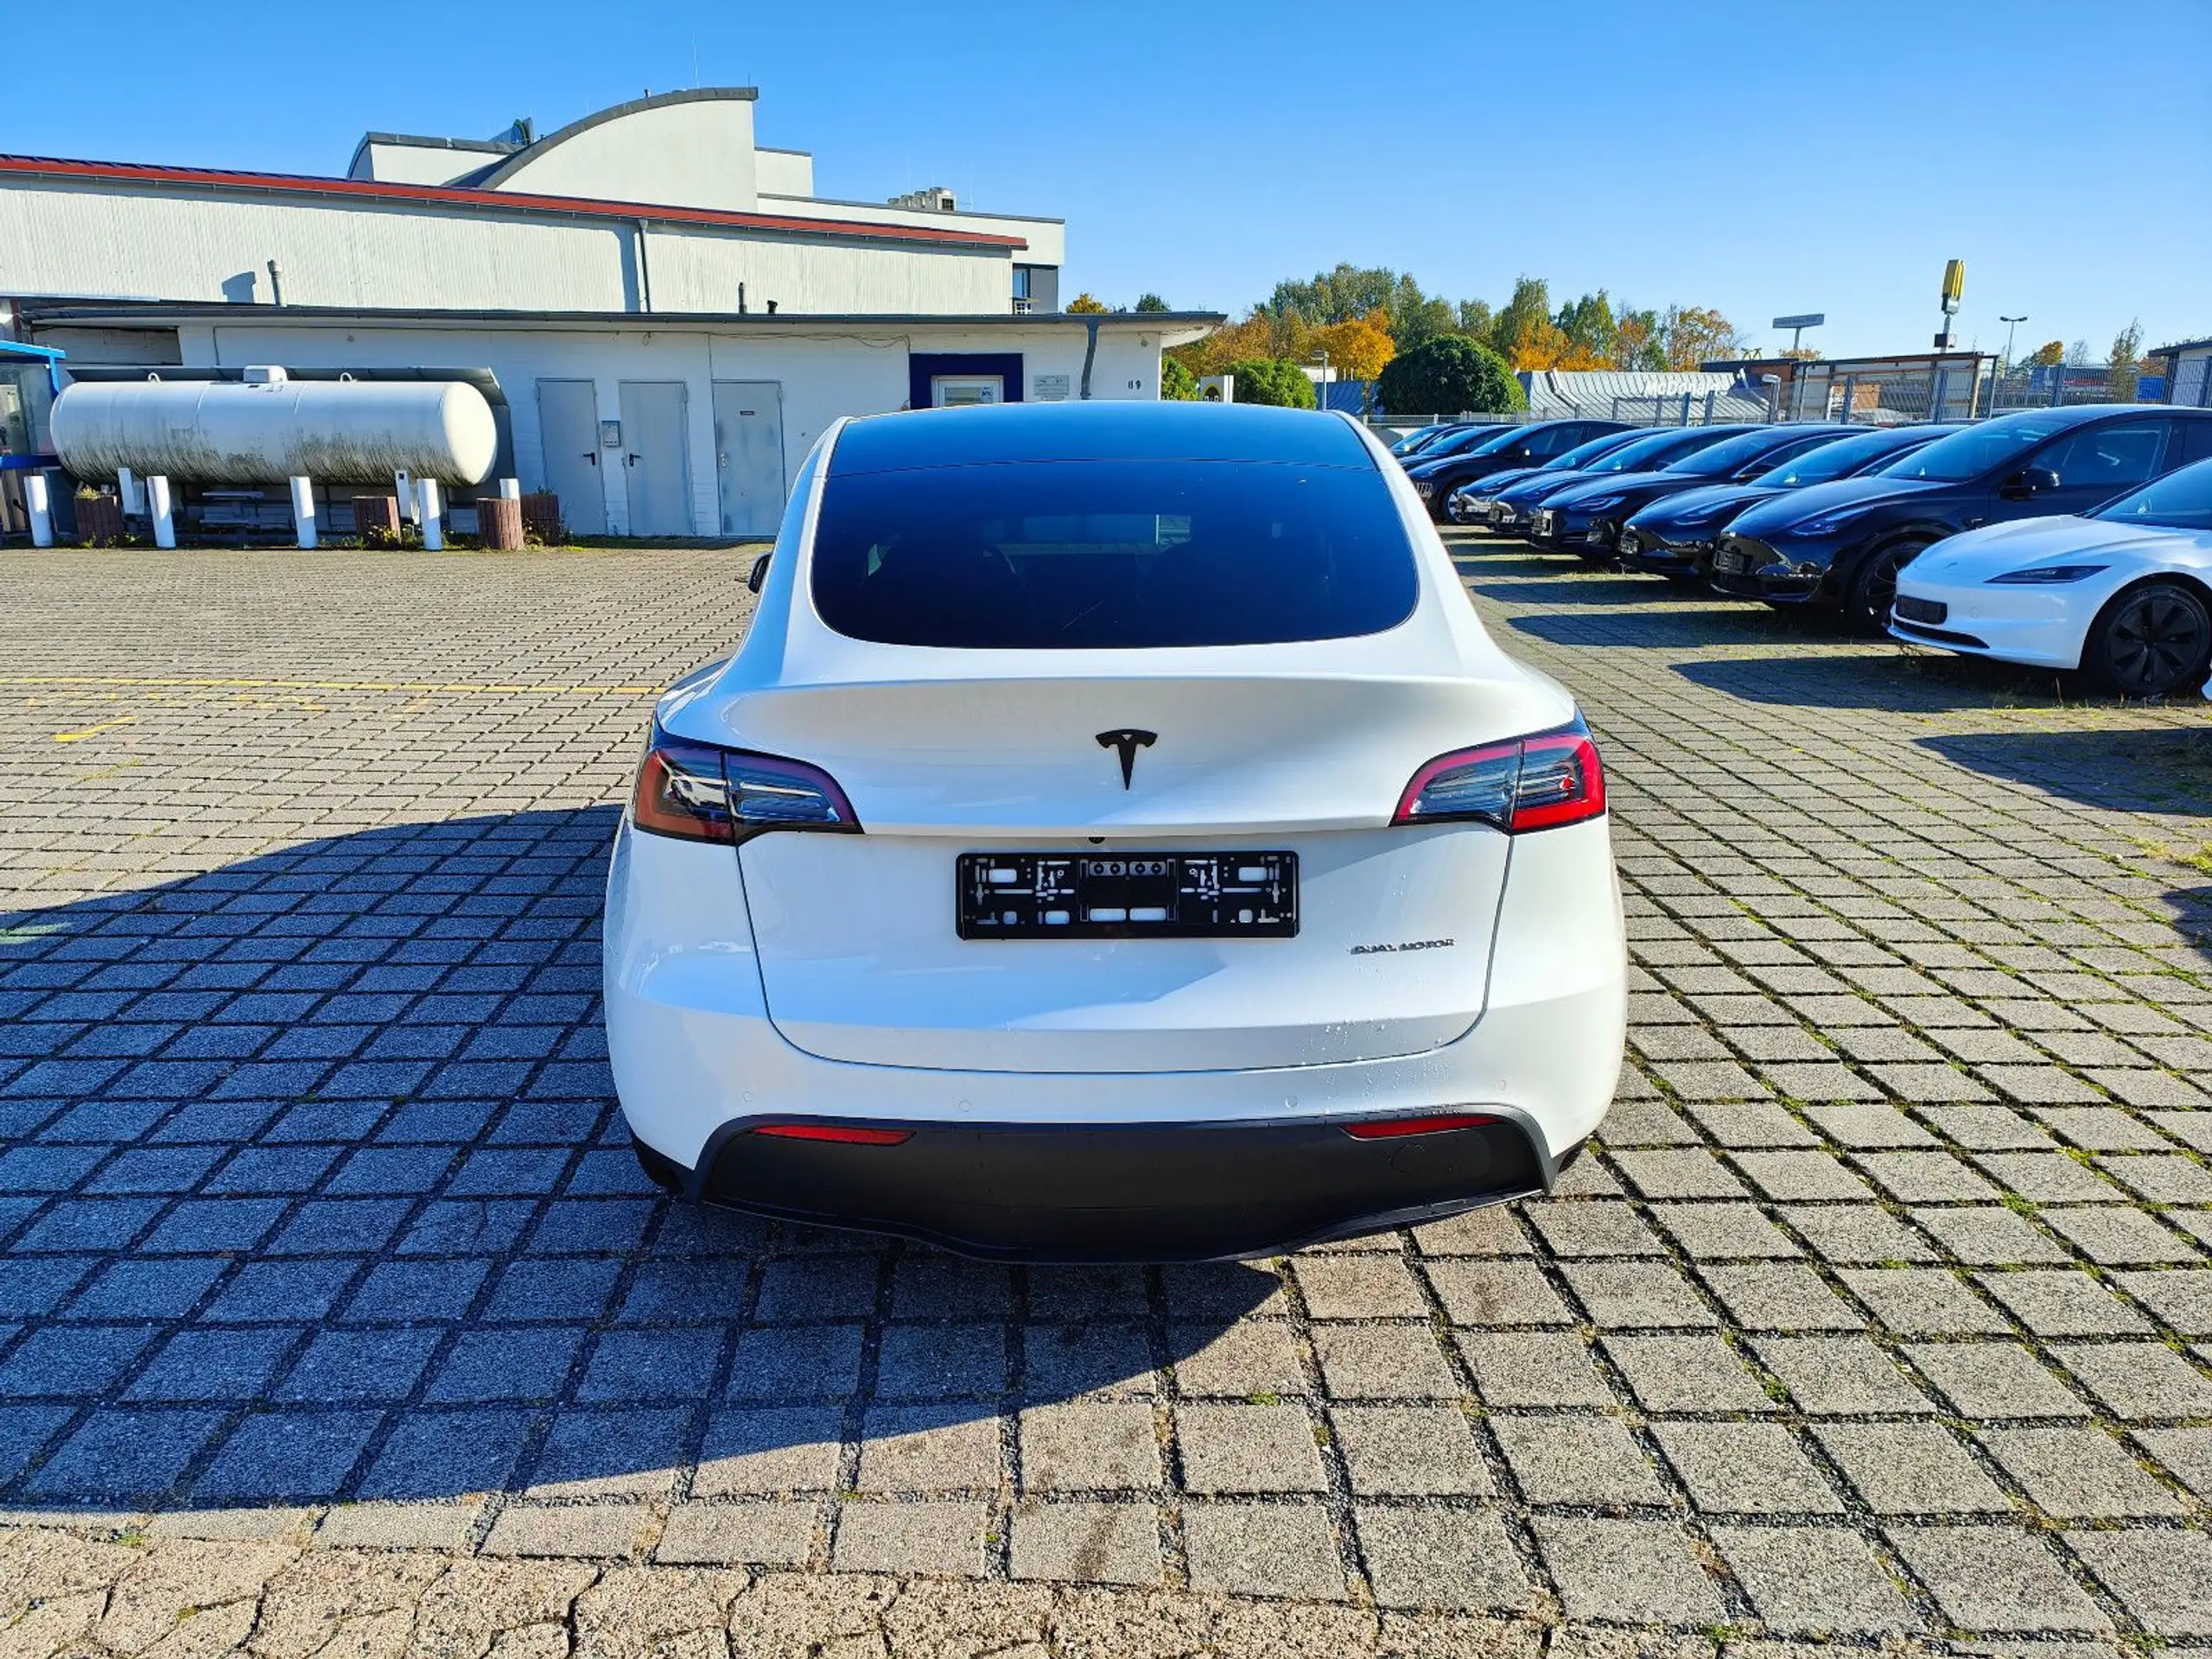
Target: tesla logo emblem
1125, 743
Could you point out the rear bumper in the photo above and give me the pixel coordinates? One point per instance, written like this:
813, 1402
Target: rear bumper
1129, 1193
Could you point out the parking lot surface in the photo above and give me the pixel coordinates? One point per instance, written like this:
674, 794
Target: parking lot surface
334, 1316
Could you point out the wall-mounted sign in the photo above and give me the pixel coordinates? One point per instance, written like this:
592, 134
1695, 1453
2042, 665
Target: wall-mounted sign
1048, 388
610, 435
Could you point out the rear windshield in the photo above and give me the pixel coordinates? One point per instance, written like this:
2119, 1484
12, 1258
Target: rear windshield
1110, 555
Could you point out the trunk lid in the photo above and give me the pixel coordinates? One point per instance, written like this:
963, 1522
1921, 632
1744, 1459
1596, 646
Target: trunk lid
857, 935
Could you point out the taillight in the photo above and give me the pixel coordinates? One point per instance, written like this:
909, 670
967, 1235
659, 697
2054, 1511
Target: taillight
1522, 783
844, 1133
1390, 1129
698, 792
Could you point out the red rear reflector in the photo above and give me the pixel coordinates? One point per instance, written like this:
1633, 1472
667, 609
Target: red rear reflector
848, 1133
1387, 1128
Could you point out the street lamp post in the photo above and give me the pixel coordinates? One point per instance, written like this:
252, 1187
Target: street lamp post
2010, 324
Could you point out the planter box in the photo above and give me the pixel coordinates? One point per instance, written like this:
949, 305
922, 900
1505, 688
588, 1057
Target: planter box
375, 514
100, 520
499, 521
541, 516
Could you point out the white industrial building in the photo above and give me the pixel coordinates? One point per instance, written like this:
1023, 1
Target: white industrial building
661, 311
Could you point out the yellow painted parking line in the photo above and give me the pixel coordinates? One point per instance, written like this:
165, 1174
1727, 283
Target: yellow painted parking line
93, 731
338, 685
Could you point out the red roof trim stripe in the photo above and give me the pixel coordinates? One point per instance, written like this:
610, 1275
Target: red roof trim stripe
443, 195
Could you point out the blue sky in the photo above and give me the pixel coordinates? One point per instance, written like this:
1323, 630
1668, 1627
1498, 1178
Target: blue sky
1763, 158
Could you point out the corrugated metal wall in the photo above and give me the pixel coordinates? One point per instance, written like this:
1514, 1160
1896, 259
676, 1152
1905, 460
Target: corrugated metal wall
92, 241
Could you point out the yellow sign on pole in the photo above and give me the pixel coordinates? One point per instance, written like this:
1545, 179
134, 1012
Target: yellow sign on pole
1955, 283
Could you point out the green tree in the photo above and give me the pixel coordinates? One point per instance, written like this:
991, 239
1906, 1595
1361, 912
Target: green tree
2125, 364
1271, 380
1474, 318
1593, 335
1417, 318
1638, 339
1447, 375
1349, 292
1150, 302
1522, 318
1337, 295
1177, 384
2048, 355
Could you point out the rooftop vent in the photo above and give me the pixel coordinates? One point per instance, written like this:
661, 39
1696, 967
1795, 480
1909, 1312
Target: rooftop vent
935, 199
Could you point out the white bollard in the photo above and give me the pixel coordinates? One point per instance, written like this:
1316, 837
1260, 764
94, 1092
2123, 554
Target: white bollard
41, 507
157, 505
403, 485
434, 529
303, 509
510, 489
127, 487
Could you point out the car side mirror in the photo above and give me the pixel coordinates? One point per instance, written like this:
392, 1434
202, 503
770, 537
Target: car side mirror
2029, 480
758, 575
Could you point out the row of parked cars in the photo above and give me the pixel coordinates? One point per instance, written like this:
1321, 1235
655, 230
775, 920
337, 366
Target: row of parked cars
2077, 539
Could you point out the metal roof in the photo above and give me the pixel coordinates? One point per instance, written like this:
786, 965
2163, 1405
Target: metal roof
1105, 430
525, 154
510, 202
167, 314
1173, 327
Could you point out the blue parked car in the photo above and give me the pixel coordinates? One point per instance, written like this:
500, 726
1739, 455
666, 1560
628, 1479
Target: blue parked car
1514, 511
1843, 543
1471, 503
1515, 447
1674, 537
1585, 519
1421, 437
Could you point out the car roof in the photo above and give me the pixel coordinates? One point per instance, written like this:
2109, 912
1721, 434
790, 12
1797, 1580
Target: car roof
1112, 431
2081, 413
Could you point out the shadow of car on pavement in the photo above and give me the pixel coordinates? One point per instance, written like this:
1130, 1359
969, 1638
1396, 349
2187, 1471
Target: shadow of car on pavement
1873, 677
313, 1187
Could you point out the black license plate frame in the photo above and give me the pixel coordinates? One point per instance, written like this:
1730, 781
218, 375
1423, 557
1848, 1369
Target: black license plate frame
1139, 894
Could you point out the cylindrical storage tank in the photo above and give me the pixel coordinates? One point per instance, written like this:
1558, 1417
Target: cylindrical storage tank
223, 432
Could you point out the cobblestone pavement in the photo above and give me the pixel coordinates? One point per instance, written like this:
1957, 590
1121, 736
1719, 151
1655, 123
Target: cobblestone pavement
335, 1318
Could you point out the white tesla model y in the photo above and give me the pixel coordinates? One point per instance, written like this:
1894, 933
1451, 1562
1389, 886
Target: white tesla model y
1117, 838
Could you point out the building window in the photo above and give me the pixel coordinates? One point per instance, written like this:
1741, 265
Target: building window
1021, 282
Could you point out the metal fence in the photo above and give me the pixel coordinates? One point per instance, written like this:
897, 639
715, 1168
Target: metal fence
1902, 399
2054, 388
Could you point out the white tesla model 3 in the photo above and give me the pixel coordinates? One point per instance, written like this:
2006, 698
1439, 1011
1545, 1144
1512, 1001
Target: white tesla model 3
1117, 838
2124, 594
